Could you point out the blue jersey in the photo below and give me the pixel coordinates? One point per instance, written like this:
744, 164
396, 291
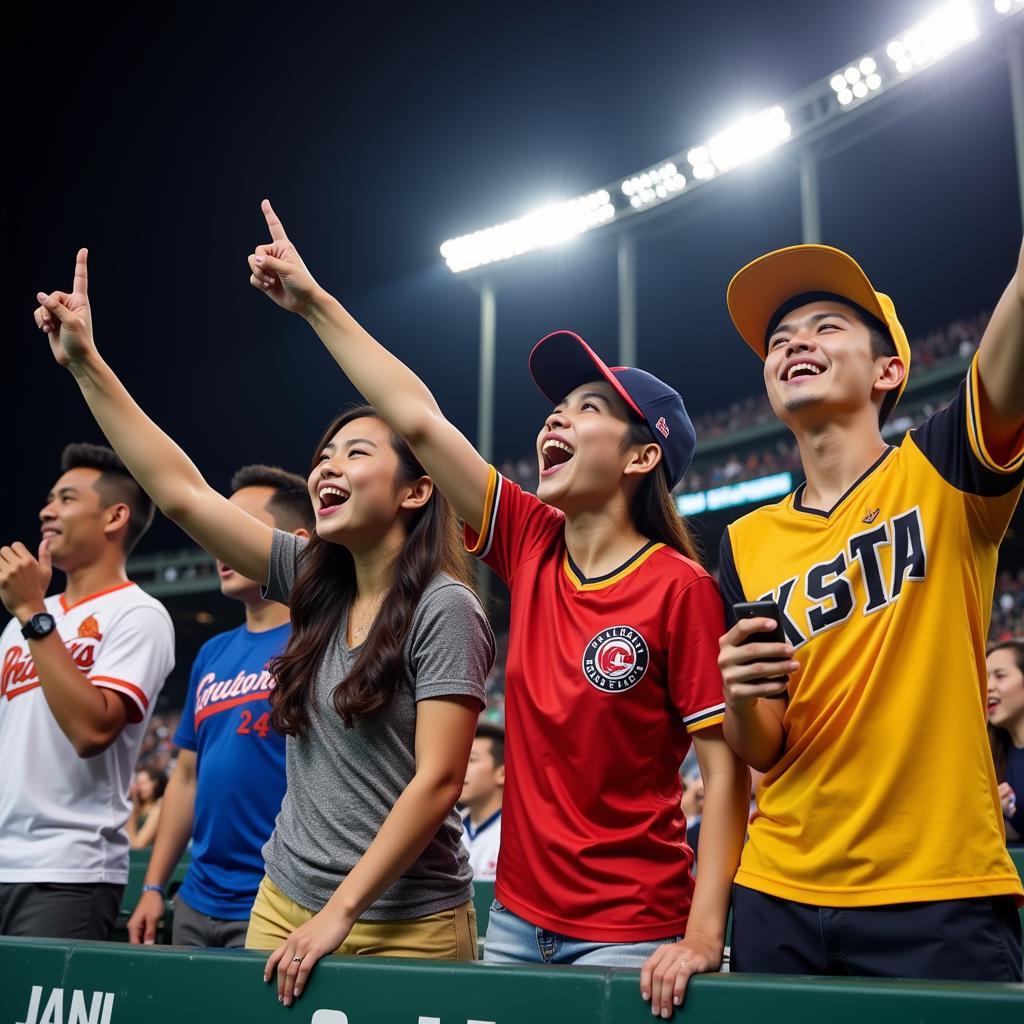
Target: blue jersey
240, 769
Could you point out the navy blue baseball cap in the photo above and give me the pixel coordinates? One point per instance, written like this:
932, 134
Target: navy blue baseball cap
562, 361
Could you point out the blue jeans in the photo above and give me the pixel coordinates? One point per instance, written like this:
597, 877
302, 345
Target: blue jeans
511, 940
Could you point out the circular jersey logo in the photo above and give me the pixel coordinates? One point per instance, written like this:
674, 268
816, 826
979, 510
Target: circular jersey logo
616, 659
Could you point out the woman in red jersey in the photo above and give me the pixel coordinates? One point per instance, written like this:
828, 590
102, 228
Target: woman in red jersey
613, 647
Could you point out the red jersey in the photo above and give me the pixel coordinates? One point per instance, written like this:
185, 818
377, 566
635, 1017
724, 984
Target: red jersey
605, 680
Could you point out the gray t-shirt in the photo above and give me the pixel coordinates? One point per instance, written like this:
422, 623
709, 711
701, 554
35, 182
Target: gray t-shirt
342, 783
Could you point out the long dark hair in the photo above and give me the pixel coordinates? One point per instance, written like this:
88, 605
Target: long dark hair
326, 586
999, 739
652, 509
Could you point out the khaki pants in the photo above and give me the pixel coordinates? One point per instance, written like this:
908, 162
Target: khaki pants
447, 935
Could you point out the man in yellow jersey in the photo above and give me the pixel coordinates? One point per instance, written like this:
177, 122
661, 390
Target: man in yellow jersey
882, 566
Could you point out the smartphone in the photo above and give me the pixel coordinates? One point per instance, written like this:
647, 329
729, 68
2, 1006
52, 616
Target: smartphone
763, 610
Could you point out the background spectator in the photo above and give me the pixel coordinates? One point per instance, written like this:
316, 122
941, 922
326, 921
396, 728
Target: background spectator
147, 796
481, 799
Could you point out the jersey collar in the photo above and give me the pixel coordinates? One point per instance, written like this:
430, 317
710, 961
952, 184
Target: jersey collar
474, 832
798, 494
65, 607
580, 582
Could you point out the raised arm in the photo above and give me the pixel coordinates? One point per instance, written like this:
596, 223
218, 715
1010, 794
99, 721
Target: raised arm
1001, 367
162, 469
401, 398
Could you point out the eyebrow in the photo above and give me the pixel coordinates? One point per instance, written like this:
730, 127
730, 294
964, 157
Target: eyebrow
813, 318
587, 394
331, 446
67, 489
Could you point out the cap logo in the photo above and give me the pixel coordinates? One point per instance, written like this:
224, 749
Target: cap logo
662, 427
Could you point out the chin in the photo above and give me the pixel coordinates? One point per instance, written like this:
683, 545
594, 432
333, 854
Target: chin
794, 403
551, 494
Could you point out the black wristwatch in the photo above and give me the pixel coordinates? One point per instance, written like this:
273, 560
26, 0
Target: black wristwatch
41, 624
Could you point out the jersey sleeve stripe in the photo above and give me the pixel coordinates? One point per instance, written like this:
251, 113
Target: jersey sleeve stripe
975, 429
702, 719
483, 541
121, 686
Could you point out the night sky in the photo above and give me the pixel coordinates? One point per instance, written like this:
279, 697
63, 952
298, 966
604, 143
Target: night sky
378, 133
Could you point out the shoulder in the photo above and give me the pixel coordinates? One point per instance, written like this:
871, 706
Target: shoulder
446, 591
213, 647
764, 514
444, 595
447, 600
135, 603
675, 566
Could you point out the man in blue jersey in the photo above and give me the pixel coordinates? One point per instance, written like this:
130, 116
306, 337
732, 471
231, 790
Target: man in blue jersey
229, 779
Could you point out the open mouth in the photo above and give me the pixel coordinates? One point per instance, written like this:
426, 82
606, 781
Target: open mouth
555, 453
48, 533
331, 499
802, 369
993, 704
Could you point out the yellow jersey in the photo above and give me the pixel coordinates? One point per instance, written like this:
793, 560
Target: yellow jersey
885, 792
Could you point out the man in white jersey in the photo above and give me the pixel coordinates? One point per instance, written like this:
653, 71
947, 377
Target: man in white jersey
79, 675
481, 800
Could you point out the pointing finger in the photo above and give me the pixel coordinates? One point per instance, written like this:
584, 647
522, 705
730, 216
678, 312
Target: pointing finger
277, 232
81, 286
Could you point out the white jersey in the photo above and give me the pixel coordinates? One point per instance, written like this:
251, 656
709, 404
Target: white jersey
62, 816
483, 843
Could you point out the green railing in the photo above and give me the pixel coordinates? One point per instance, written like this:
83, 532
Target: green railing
46, 982
483, 893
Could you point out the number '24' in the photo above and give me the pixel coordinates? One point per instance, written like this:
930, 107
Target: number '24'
261, 726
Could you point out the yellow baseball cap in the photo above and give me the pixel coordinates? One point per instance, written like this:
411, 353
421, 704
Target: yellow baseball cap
758, 291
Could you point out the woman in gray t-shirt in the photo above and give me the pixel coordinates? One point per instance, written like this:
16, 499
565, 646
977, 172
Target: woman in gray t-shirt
378, 691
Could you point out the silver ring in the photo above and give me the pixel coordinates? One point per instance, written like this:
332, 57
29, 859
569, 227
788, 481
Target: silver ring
683, 963
298, 959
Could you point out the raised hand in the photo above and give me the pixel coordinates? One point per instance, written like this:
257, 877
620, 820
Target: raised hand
67, 319
278, 270
24, 579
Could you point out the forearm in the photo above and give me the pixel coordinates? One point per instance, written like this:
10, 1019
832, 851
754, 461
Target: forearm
82, 710
723, 828
173, 832
400, 397
163, 470
412, 823
755, 734
1001, 354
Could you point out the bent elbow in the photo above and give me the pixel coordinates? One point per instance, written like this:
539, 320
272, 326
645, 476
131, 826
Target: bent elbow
91, 744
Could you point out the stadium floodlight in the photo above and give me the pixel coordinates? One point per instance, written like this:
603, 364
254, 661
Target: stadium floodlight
857, 81
550, 225
740, 142
653, 185
807, 114
934, 38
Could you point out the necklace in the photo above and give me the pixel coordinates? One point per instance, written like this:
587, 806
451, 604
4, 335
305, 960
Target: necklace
358, 632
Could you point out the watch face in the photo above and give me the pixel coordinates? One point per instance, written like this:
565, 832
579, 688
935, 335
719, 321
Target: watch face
40, 625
